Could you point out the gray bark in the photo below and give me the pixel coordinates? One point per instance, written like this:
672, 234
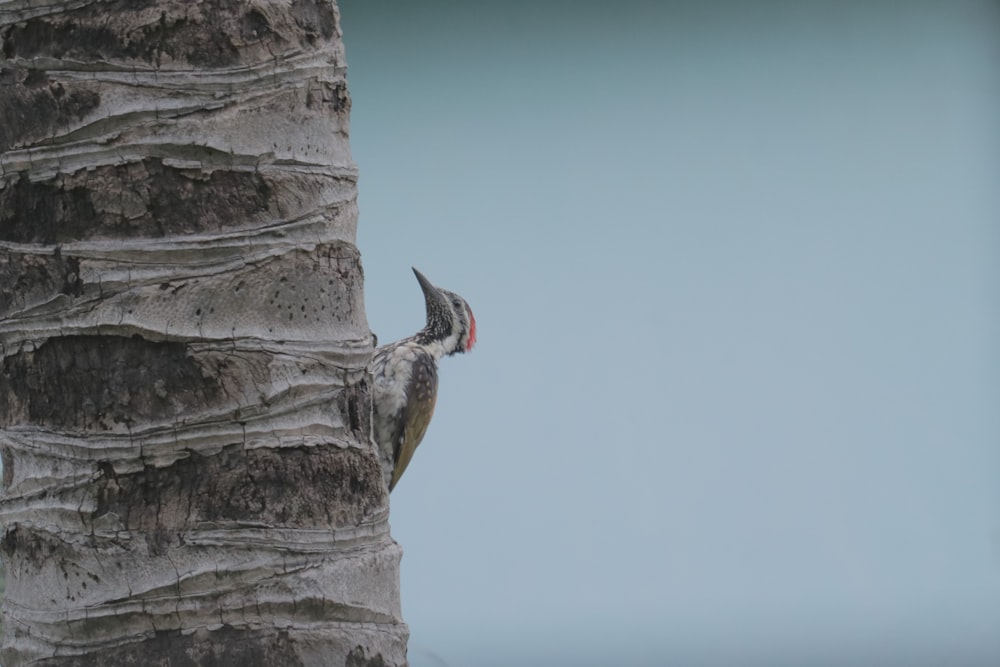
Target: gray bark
184, 401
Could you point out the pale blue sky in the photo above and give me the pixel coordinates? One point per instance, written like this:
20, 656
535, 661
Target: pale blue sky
736, 269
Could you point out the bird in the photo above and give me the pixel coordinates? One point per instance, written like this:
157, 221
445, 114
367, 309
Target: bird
405, 377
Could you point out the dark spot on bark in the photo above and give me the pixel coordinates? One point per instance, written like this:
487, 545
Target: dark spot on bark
358, 658
341, 98
160, 539
31, 110
43, 213
218, 33
356, 403
107, 470
224, 647
31, 547
335, 95
162, 200
203, 45
304, 487
27, 280
8, 466
255, 26
72, 283
37, 77
354, 415
83, 34
79, 103
40, 37
186, 203
315, 17
127, 379
10, 536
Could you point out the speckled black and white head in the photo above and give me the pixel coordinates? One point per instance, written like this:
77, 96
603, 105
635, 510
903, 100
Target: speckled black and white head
451, 326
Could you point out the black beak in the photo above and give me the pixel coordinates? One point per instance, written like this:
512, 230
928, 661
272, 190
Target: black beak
425, 284
432, 295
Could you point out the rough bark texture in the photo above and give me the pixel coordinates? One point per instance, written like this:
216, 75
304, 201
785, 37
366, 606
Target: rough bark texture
184, 402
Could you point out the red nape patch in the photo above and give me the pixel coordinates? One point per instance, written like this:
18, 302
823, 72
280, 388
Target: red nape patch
472, 331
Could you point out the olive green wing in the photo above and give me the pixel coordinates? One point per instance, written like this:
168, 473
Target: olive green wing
421, 395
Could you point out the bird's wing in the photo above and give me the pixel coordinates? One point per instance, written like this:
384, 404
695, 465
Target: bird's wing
421, 395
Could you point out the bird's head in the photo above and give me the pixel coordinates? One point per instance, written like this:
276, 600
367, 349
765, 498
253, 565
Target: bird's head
451, 326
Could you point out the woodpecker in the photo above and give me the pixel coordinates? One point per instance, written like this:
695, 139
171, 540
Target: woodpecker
405, 376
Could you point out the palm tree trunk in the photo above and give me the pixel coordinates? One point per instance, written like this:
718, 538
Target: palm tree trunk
184, 401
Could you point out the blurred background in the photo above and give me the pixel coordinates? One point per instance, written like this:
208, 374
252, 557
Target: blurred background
736, 270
